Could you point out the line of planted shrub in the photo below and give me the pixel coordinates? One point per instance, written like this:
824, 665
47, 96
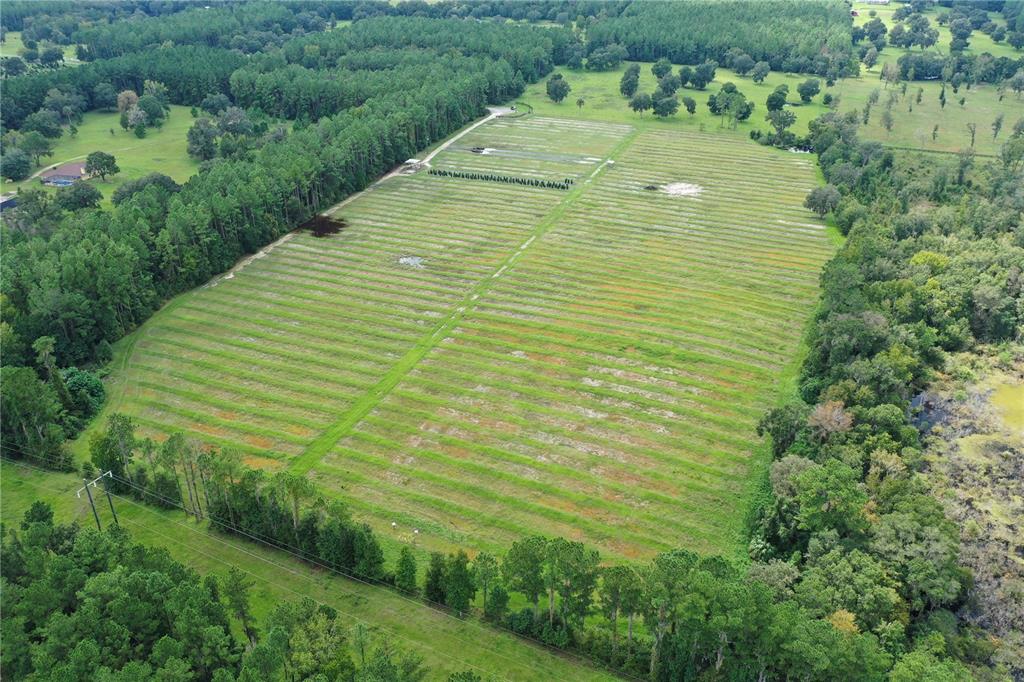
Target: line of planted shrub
509, 179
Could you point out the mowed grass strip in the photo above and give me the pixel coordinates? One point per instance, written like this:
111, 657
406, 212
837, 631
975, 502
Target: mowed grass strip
266, 359
447, 644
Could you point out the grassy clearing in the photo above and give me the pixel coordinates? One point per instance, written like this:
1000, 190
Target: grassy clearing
447, 644
978, 43
588, 363
163, 150
914, 129
600, 91
14, 47
603, 102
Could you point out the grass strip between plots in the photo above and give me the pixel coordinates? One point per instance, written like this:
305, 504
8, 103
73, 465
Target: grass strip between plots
362, 406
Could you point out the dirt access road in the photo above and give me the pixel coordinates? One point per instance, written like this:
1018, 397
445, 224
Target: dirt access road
425, 161
495, 112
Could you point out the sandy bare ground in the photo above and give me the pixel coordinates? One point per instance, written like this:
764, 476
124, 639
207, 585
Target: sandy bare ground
495, 113
237, 267
682, 189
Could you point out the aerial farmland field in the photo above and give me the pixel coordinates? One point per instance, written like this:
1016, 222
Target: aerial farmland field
483, 360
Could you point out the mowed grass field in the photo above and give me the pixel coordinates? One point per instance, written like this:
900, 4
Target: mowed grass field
978, 43
603, 101
482, 361
911, 129
163, 150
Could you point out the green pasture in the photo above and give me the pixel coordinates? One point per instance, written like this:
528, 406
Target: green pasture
447, 644
978, 43
163, 150
911, 129
603, 102
480, 361
13, 47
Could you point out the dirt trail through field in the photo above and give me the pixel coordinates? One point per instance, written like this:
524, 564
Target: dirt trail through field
495, 113
49, 165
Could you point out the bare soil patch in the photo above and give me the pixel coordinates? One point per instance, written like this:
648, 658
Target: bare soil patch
682, 189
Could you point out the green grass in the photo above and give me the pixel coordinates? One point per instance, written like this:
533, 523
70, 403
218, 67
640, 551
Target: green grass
978, 43
163, 150
1008, 400
588, 363
446, 643
13, 47
911, 130
600, 91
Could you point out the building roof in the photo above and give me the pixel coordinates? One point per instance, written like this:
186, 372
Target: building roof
73, 169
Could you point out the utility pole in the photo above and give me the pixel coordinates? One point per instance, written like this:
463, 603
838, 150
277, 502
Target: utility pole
92, 502
110, 501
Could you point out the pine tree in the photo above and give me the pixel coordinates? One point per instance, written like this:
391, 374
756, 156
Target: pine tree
405, 574
460, 584
434, 589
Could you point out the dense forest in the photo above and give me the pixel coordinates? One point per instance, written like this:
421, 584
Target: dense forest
248, 27
189, 72
800, 37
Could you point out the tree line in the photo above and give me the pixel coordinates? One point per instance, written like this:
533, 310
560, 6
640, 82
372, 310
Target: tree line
796, 37
301, 93
81, 604
189, 72
531, 52
968, 69
846, 512
227, 26
679, 614
87, 277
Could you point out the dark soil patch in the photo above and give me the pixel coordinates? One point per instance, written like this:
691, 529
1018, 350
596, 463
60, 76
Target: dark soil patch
323, 226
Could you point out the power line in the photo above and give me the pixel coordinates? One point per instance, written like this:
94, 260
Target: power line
442, 655
365, 580
439, 608
368, 580
92, 503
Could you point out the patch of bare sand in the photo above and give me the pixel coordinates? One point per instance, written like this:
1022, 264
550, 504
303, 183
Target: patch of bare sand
682, 189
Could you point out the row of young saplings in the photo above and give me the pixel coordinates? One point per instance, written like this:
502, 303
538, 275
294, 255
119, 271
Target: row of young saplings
510, 179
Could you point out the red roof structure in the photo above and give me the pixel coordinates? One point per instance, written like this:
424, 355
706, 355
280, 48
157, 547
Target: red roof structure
64, 173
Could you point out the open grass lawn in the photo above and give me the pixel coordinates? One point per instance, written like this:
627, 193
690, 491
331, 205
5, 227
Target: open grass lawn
978, 43
446, 643
483, 361
602, 101
911, 129
13, 47
163, 150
